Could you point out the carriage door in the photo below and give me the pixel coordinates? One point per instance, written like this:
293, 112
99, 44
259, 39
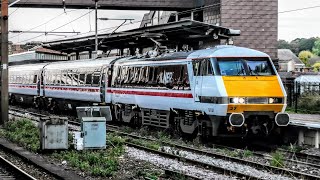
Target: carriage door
104, 82
40, 83
197, 79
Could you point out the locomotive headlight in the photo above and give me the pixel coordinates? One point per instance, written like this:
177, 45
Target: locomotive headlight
234, 100
242, 100
271, 100
237, 100
275, 100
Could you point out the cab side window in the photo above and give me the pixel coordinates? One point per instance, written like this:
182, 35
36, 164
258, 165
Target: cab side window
202, 67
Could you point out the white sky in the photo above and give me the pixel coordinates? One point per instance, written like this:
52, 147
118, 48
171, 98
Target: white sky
305, 23
299, 24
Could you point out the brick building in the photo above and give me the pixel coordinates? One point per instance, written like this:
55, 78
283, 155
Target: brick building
257, 20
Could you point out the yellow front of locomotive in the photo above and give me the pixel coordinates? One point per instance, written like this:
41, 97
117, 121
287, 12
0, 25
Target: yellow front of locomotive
256, 96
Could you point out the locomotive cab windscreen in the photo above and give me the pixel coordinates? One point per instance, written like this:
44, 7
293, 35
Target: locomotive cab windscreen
245, 67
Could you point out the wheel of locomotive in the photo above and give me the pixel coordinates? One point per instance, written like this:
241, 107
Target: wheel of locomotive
36, 102
205, 132
44, 103
137, 120
54, 107
12, 100
116, 113
176, 126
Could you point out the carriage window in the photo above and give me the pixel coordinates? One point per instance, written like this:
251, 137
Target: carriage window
28, 79
76, 79
89, 79
151, 72
96, 80
58, 79
196, 68
162, 76
82, 79
35, 79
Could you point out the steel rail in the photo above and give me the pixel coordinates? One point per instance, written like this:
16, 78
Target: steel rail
272, 169
17, 171
193, 162
303, 156
216, 155
268, 157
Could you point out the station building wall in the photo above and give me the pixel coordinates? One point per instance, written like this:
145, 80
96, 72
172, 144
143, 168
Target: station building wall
257, 20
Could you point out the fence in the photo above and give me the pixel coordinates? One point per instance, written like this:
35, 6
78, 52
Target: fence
304, 97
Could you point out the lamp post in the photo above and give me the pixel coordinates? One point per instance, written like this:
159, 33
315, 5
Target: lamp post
96, 26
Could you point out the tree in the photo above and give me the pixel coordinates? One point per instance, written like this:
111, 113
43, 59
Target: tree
316, 47
306, 44
295, 46
316, 67
304, 56
283, 44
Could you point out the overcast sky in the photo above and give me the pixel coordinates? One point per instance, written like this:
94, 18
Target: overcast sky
305, 23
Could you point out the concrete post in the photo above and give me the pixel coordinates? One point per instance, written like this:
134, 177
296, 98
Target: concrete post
90, 54
316, 139
301, 137
77, 55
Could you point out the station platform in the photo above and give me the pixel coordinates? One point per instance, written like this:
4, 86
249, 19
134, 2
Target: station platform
311, 121
308, 127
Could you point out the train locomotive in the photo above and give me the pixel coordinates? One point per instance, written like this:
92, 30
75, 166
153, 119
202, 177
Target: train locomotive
224, 90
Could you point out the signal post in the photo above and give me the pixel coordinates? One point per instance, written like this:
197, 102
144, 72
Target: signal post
4, 63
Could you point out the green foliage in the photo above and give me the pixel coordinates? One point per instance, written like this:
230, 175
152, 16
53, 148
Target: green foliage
149, 174
24, 133
293, 148
305, 57
297, 45
309, 103
149, 144
2, 133
306, 44
98, 163
115, 140
163, 137
316, 47
277, 159
283, 44
316, 67
247, 153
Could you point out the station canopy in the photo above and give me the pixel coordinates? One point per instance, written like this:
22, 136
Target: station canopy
308, 79
187, 32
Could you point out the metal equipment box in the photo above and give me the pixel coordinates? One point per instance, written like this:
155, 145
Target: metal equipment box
94, 111
94, 132
53, 133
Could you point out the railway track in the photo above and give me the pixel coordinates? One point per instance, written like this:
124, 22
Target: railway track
303, 157
259, 166
9, 171
275, 170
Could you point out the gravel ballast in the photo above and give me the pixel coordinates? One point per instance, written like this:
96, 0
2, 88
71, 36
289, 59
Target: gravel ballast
174, 164
226, 164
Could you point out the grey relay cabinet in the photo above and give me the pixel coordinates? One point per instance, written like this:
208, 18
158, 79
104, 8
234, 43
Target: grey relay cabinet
53, 133
94, 132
